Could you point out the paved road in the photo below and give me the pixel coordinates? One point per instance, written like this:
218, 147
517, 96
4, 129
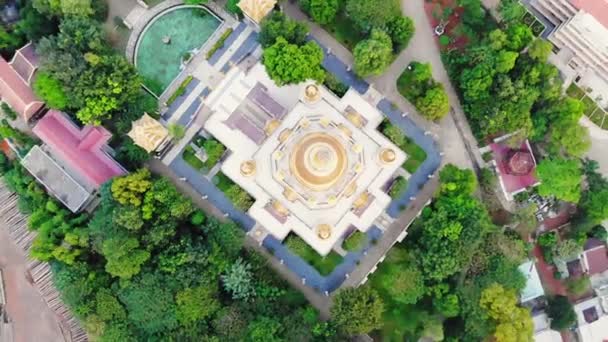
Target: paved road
33, 321
453, 132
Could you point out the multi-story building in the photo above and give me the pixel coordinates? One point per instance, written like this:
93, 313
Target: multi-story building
578, 29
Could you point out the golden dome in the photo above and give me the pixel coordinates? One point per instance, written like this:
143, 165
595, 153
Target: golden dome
272, 126
279, 208
362, 200
311, 93
355, 119
324, 231
290, 194
248, 168
387, 156
284, 135
318, 161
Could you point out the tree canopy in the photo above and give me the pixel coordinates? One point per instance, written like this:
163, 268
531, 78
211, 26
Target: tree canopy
560, 178
357, 311
291, 64
373, 55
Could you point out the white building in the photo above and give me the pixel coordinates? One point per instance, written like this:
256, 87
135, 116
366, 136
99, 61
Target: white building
543, 331
315, 163
592, 317
580, 37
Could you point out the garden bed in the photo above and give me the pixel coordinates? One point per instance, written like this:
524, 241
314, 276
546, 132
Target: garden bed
325, 265
355, 241
415, 154
237, 195
398, 187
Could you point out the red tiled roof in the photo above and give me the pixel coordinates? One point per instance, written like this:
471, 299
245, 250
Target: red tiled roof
15, 80
597, 8
513, 182
597, 260
83, 150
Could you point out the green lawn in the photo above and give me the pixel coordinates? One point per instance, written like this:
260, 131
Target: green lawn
590, 106
325, 265
190, 157
575, 92
355, 241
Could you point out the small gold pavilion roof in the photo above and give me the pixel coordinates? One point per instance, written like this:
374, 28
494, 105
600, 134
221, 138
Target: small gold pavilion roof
148, 133
256, 9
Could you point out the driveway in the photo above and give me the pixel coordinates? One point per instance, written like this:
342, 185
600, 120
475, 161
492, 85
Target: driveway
453, 132
32, 319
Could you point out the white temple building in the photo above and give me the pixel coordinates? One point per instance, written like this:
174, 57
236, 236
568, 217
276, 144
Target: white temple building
315, 164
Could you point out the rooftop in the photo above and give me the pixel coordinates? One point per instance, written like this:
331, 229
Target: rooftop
257, 9
15, 82
534, 287
315, 163
597, 8
515, 167
83, 152
55, 179
148, 133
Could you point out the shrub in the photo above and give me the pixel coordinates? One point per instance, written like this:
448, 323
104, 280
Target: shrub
578, 286
8, 111
398, 186
219, 43
180, 90
561, 313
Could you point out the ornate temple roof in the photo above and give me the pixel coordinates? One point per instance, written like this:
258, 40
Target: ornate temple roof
148, 133
257, 9
520, 163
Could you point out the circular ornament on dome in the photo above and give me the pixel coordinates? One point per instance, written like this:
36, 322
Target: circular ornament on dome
272, 126
248, 168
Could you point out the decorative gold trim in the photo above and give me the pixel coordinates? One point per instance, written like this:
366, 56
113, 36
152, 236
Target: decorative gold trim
289, 194
345, 130
350, 189
362, 200
277, 155
272, 126
284, 135
332, 200
357, 148
280, 208
324, 231
324, 122
248, 168
355, 119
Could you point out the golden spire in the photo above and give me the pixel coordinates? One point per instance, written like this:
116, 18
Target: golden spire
248, 168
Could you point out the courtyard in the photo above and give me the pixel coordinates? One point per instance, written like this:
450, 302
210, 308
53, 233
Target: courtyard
194, 78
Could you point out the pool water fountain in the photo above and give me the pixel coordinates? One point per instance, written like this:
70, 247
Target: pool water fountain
167, 38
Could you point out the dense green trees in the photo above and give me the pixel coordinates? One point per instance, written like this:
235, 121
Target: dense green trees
373, 55
513, 323
278, 25
508, 88
97, 82
50, 90
357, 311
416, 84
291, 64
560, 178
561, 313
368, 14
323, 11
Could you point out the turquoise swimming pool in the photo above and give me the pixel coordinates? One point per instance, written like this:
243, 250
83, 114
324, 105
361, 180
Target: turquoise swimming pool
167, 39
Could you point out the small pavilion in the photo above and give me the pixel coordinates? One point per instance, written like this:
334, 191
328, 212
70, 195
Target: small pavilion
256, 10
149, 134
515, 167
